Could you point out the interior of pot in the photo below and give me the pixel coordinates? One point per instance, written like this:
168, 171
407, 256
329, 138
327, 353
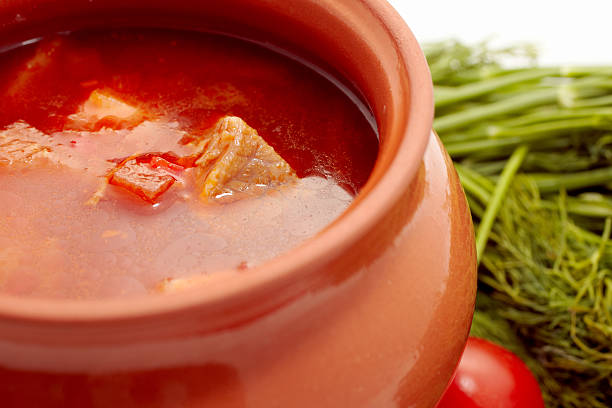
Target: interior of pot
364, 44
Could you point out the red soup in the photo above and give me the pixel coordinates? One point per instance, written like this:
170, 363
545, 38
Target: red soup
136, 162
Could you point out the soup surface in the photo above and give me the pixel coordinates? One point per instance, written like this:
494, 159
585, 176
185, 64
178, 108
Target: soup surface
138, 161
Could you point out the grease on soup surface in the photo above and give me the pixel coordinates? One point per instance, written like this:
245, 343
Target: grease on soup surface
136, 162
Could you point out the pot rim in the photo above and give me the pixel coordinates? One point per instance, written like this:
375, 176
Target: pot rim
355, 223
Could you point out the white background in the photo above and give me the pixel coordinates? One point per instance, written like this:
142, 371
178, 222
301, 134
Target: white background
565, 31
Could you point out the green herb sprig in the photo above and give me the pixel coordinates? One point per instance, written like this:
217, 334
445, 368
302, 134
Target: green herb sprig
533, 149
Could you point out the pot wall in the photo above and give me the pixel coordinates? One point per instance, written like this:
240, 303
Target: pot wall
388, 333
373, 312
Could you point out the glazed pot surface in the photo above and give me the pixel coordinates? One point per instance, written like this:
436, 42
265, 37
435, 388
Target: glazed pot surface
374, 311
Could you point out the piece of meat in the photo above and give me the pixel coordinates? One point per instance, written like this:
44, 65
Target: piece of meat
103, 110
236, 161
146, 180
19, 151
20, 144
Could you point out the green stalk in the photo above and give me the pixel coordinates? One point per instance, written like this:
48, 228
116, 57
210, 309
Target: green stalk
551, 182
565, 94
549, 119
555, 114
595, 209
479, 113
539, 130
507, 176
480, 88
489, 168
595, 102
461, 149
482, 181
505, 150
476, 208
471, 185
574, 71
501, 138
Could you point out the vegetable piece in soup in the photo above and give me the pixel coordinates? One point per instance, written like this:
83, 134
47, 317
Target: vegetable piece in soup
142, 178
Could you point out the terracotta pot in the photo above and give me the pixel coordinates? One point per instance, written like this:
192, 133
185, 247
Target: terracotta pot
372, 312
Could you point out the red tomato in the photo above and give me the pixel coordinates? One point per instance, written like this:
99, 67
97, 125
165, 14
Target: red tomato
489, 376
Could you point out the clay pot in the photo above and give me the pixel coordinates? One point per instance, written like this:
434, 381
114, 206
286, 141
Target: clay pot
372, 312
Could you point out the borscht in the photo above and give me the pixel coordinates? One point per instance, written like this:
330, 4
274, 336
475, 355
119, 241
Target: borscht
140, 161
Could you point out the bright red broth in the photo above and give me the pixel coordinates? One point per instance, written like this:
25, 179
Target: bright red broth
54, 244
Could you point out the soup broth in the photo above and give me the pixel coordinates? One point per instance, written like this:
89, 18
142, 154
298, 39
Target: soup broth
132, 161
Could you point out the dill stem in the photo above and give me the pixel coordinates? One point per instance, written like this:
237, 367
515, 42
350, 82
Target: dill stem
551, 182
480, 88
492, 209
595, 209
522, 101
475, 184
525, 134
506, 106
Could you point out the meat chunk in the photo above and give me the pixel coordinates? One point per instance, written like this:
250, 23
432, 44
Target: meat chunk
19, 151
237, 161
147, 179
102, 110
20, 144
